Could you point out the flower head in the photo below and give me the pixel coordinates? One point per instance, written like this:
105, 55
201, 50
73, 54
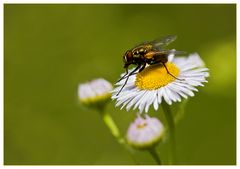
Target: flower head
154, 84
95, 92
145, 132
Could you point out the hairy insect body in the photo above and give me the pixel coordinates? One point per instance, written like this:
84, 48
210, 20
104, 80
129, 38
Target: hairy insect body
147, 53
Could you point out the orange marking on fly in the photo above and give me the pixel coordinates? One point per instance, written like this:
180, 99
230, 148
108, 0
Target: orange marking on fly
146, 53
149, 55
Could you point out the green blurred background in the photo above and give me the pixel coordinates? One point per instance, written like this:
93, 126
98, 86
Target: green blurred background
50, 49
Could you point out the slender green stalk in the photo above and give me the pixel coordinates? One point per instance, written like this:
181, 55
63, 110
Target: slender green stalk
112, 126
109, 122
171, 128
155, 155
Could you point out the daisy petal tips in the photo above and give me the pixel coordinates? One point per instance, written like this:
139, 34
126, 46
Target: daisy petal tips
154, 84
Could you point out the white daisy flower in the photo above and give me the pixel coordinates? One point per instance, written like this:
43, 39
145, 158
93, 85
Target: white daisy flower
95, 92
154, 85
145, 132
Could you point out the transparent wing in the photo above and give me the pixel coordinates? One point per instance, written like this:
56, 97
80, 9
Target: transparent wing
141, 44
176, 52
162, 42
159, 43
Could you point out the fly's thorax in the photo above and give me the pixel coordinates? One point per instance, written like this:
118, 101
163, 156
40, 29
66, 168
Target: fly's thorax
149, 55
141, 50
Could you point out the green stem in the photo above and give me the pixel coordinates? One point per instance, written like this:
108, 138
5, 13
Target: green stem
112, 126
171, 128
155, 156
109, 122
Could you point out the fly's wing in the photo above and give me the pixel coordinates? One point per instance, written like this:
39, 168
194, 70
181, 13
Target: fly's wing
141, 44
158, 43
162, 42
176, 52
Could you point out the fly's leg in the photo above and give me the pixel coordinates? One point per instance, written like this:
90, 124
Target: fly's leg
143, 66
128, 78
169, 72
124, 76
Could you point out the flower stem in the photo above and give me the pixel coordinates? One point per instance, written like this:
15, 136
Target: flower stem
109, 122
155, 156
171, 127
112, 126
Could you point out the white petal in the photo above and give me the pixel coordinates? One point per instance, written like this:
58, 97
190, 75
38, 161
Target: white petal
191, 74
191, 62
184, 89
160, 95
145, 101
198, 70
188, 67
135, 99
174, 94
195, 58
140, 100
177, 90
185, 84
152, 97
155, 103
194, 83
122, 99
165, 96
171, 56
170, 94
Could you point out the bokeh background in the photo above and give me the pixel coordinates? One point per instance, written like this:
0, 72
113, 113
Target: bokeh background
50, 49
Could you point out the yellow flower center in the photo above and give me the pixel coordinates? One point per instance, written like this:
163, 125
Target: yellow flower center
156, 76
141, 125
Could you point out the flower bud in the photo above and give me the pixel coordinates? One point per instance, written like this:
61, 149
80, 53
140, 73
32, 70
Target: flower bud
145, 132
95, 93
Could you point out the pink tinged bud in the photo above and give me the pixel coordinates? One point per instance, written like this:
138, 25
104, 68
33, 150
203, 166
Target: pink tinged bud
145, 132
